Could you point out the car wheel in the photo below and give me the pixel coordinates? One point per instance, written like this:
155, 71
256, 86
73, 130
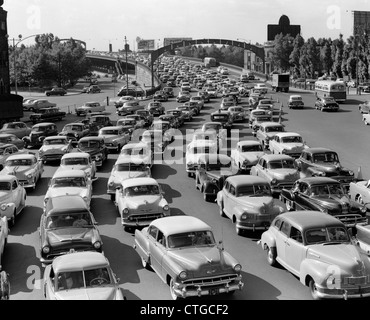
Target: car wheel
271, 256
206, 197
112, 197
12, 220
190, 174
238, 230
34, 183
289, 205
313, 289
172, 291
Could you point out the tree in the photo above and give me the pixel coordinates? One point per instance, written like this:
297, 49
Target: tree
296, 54
283, 47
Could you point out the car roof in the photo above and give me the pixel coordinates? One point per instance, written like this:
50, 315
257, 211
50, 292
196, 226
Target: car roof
200, 143
271, 157
179, 224
248, 143
2, 135
135, 182
65, 173
78, 261
112, 128
55, 137
214, 157
246, 179
91, 138
21, 156
288, 134
319, 180
271, 124
43, 124
318, 149
7, 178
76, 154
311, 219
66, 202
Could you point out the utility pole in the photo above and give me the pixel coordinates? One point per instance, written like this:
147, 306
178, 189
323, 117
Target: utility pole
126, 49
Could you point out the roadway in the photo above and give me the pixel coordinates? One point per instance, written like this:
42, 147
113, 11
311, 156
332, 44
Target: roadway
343, 131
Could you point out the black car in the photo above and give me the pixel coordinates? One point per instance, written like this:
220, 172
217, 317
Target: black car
39, 132
96, 147
160, 96
224, 117
211, 173
326, 195
326, 104
323, 162
67, 223
56, 92
178, 114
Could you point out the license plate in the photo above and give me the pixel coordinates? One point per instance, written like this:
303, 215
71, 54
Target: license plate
214, 292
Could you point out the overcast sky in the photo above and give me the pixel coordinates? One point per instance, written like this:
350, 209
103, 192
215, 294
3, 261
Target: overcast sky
99, 23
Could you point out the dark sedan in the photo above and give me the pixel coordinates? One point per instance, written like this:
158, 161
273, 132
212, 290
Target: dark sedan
326, 104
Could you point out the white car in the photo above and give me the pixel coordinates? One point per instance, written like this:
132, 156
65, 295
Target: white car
89, 107
208, 135
54, 148
12, 198
262, 87
246, 154
126, 168
290, 143
80, 161
139, 201
71, 182
115, 137
137, 151
194, 150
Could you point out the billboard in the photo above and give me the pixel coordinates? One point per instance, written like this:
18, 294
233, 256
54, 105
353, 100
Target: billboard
361, 22
168, 41
146, 45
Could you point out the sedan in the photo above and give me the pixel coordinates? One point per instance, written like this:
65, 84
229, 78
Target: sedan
326, 104
13, 139
115, 137
19, 129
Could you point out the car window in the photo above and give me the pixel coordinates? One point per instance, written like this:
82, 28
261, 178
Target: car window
14, 185
153, 231
190, 239
5, 186
277, 223
296, 235
285, 228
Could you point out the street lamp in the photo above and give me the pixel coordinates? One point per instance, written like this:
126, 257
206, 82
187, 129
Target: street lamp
126, 49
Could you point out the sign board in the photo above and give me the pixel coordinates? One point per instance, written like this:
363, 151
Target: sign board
361, 22
146, 45
168, 41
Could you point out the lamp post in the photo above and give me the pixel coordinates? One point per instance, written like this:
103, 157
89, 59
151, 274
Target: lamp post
126, 49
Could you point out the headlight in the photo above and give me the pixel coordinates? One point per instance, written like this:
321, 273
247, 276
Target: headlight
76, 135
4, 206
41, 153
46, 249
46, 200
273, 181
166, 208
238, 267
125, 211
97, 245
29, 176
350, 172
183, 275
111, 184
85, 199
243, 217
322, 174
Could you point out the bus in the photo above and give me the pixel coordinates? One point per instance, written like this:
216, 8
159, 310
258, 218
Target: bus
210, 62
330, 88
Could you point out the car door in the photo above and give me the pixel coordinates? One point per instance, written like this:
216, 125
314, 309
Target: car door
281, 240
294, 250
155, 253
230, 201
16, 194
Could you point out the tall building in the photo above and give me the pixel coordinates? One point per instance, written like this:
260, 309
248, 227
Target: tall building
4, 52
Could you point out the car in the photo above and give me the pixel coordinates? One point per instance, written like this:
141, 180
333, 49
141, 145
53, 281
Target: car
98, 121
317, 249
359, 191
168, 91
224, 117
194, 150
127, 166
248, 202
139, 201
319, 161
26, 167
38, 133
362, 238
137, 152
115, 137
123, 99
91, 274
295, 102
256, 113
180, 116
18, 128
187, 112
67, 223
279, 170
96, 147
177, 238
269, 108
70, 182
215, 126
9, 138
37, 104
212, 92
7, 150
171, 119
130, 107
146, 116
4, 232
326, 195
81, 161
168, 132
89, 107
183, 96
156, 108
362, 107
199, 100
12, 198
194, 105
210, 174
56, 92
205, 95
225, 105
94, 89
53, 148
326, 104
290, 143
262, 87
47, 114
245, 155
155, 140
267, 131
75, 131
160, 96
130, 122
238, 113
210, 135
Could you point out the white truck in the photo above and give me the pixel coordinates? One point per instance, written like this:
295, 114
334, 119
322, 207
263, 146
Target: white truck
280, 82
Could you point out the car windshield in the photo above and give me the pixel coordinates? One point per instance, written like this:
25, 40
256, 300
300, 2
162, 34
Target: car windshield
326, 235
89, 144
274, 129
75, 161
133, 151
296, 98
55, 141
70, 219
281, 164
144, 190
126, 122
254, 148
5, 186
72, 128
122, 167
292, 139
39, 129
217, 165
258, 190
191, 239
326, 157
19, 162
109, 132
327, 190
213, 127
97, 277
198, 150
68, 182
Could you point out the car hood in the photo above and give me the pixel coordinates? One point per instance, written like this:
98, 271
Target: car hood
123, 175
96, 293
331, 201
83, 167
18, 169
108, 137
91, 151
143, 201
70, 234
345, 255
292, 146
251, 157
200, 260
329, 167
256, 203
284, 174
216, 174
5, 196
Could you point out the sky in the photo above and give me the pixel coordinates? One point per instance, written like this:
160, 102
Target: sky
109, 22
